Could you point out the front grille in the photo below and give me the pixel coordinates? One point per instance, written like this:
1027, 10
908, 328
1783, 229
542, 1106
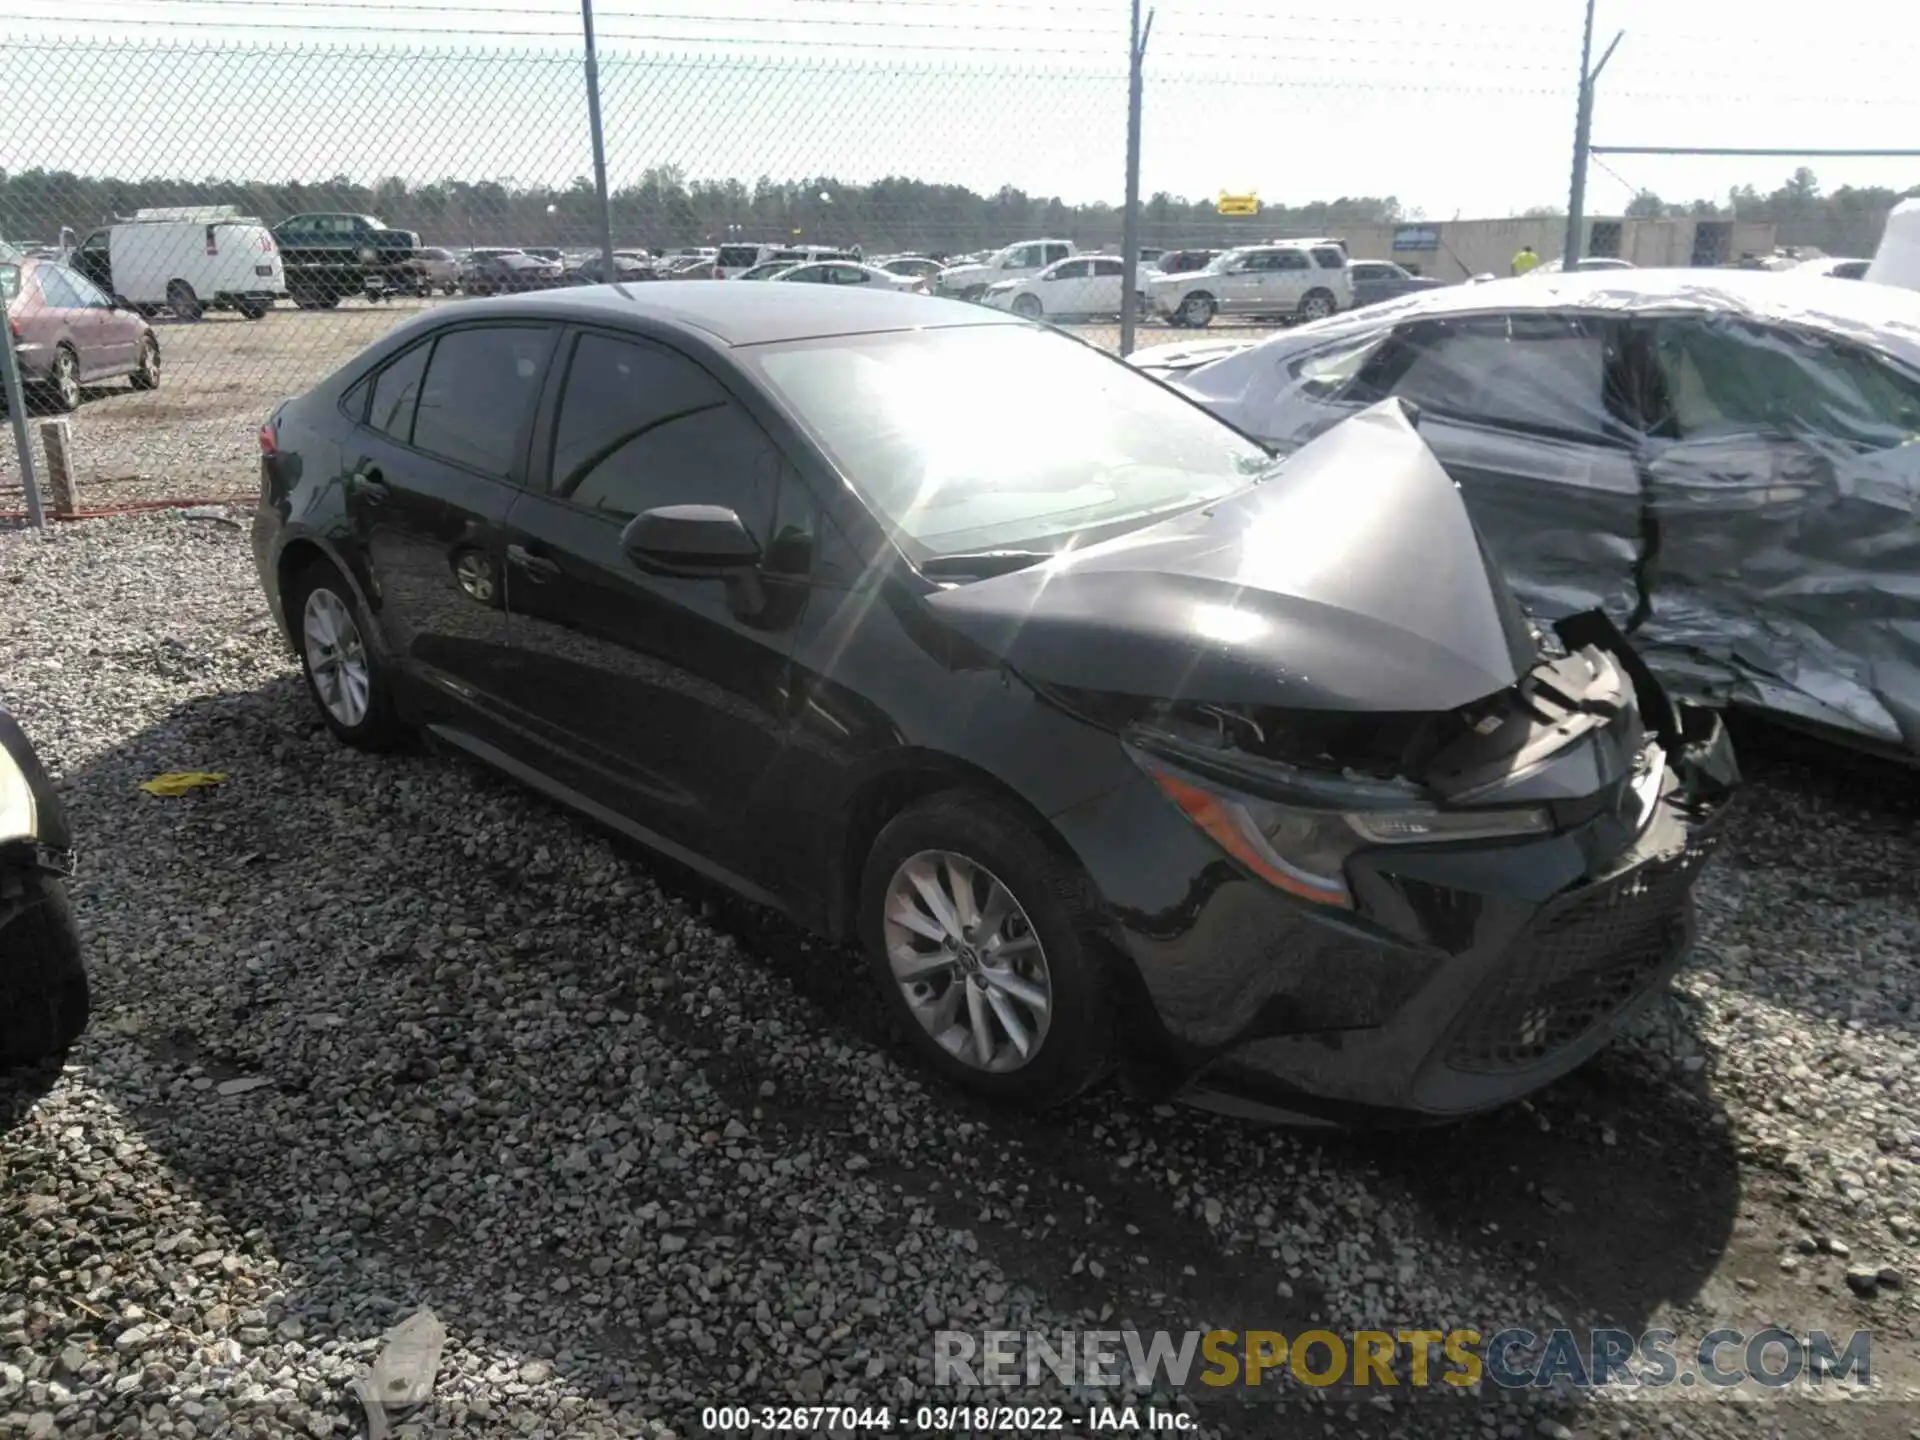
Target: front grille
1579, 964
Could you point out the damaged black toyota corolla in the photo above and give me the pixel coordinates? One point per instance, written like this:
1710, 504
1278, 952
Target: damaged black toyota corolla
1114, 743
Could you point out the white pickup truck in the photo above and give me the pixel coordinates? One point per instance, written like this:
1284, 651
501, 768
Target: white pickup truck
1015, 262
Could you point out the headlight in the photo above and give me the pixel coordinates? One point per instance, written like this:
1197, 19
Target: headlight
1304, 850
19, 819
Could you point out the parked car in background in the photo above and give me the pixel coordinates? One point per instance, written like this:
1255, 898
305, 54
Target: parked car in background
1834, 267
1294, 281
691, 267
1377, 280
1046, 694
434, 270
1184, 262
1015, 262
766, 270
507, 272
188, 259
737, 257
919, 267
1724, 461
44, 998
628, 269
67, 333
331, 256
1080, 287
545, 252
850, 273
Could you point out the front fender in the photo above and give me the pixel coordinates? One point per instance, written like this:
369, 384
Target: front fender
32, 817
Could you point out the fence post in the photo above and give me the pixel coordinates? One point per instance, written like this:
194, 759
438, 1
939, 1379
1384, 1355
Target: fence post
599, 144
17, 407
1130, 219
1582, 135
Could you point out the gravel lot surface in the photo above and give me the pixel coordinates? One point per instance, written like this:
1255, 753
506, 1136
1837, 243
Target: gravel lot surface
380, 1032
193, 438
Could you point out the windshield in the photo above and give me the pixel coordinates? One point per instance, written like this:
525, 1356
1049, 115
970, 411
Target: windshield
1000, 436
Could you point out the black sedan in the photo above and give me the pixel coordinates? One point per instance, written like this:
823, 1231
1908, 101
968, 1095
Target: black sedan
1377, 280
1111, 740
507, 272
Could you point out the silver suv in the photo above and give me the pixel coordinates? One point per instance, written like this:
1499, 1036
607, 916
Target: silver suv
1298, 280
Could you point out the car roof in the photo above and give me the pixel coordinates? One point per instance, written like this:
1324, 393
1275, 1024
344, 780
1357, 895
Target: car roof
749, 314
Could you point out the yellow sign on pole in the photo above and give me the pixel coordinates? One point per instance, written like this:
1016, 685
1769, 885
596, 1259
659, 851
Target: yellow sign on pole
1239, 205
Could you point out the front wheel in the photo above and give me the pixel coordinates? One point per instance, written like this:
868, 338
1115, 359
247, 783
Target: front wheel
44, 998
1196, 311
344, 676
63, 384
1316, 305
1028, 307
977, 932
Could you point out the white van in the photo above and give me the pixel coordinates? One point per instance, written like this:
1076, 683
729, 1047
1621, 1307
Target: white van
1897, 261
187, 259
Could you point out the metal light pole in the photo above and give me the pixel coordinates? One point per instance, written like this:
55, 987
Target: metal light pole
1130, 220
1582, 139
599, 143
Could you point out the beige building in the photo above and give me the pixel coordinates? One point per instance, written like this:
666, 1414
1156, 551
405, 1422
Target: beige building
1457, 249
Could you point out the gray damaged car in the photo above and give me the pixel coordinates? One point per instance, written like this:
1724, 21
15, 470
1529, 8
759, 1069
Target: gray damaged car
1724, 462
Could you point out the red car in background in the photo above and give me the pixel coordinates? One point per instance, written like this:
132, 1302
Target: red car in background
68, 333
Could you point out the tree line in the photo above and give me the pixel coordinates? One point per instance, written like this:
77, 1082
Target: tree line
666, 208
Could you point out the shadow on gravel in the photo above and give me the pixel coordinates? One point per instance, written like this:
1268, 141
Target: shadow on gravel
1613, 1194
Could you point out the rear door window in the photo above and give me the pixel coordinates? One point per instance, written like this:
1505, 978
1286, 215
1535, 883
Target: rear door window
478, 391
1329, 257
1545, 373
1288, 260
396, 391
55, 292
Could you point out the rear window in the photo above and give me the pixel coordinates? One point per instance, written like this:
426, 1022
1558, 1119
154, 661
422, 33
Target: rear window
1329, 257
738, 257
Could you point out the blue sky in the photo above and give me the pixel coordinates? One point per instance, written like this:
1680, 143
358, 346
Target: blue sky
1459, 108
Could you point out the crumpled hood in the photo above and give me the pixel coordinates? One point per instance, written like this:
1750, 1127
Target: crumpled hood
1351, 579
1186, 356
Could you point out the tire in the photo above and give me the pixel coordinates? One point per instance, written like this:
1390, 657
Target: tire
373, 724
181, 300
1072, 1039
44, 997
1316, 305
1196, 311
1028, 307
254, 309
146, 375
63, 382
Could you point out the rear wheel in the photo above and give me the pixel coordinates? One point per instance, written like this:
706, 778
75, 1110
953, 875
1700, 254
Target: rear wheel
44, 999
345, 678
181, 300
1196, 310
977, 933
146, 374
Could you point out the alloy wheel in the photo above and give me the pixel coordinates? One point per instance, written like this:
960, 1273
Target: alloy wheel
66, 380
474, 572
1196, 310
967, 960
1316, 307
149, 372
336, 657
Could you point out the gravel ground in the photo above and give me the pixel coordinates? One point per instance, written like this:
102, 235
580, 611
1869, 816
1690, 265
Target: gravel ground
380, 1032
221, 376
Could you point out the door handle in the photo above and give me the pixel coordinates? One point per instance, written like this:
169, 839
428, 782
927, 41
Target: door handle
538, 567
368, 485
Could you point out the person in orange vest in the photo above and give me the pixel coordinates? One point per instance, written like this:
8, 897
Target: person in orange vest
1525, 260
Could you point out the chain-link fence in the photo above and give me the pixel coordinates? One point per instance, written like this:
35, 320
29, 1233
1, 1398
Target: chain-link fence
200, 228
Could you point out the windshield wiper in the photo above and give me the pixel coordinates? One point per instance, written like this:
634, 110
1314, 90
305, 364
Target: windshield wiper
979, 564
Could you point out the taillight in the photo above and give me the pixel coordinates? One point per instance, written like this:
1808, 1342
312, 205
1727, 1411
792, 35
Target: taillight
266, 244
269, 442
213, 244
14, 325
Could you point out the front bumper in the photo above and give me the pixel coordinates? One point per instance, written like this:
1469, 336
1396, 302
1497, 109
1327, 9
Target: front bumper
1467, 976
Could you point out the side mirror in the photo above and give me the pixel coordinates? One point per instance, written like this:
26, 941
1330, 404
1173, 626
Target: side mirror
690, 540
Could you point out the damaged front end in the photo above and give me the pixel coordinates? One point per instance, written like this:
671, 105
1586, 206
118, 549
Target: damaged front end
1459, 907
